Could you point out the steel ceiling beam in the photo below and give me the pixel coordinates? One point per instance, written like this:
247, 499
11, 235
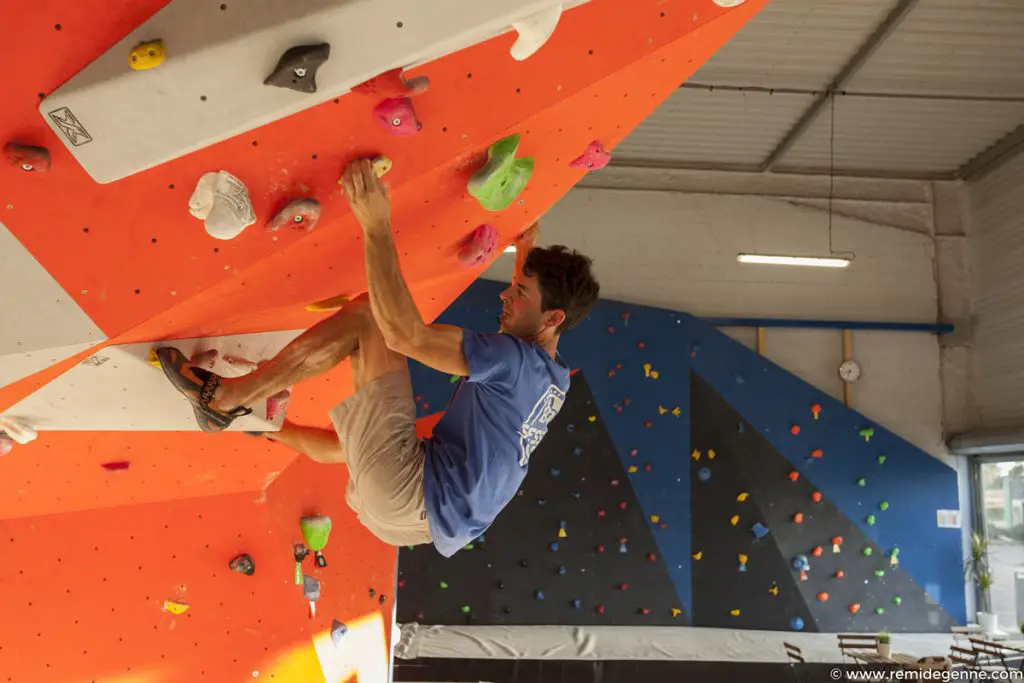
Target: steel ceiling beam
885, 29
993, 157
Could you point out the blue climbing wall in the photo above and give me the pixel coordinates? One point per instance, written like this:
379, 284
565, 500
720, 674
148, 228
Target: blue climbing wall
638, 363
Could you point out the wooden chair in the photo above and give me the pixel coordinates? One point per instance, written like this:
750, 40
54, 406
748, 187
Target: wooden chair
963, 658
856, 643
796, 661
991, 656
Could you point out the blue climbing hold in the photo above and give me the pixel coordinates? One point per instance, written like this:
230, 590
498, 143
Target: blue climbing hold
561, 524
542, 501
539, 595
575, 494
743, 568
562, 570
796, 623
481, 539
555, 471
570, 428
740, 379
554, 547
577, 603
800, 563
704, 474
622, 548
577, 451
759, 530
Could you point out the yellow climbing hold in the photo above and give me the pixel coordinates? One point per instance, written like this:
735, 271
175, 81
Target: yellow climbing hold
381, 165
333, 303
742, 497
647, 369
676, 612
147, 55
676, 412
697, 555
734, 520
774, 590
153, 359
662, 410
561, 533
711, 454
654, 374
592, 418
734, 612
175, 606
655, 519
631, 469
695, 455
742, 558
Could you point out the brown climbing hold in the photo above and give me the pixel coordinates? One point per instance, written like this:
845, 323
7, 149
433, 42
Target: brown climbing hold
296, 70
28, 158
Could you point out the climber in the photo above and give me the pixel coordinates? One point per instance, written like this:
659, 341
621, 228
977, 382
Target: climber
449, 488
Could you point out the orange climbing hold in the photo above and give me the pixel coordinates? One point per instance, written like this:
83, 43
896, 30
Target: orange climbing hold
816, 496
711, 454
818, 551
794, 430
840, 574
823, 597
817, 453
794, 475
854, 608
816, 410
798, 518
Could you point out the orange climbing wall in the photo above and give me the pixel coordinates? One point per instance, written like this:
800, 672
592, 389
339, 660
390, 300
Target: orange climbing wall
74, 535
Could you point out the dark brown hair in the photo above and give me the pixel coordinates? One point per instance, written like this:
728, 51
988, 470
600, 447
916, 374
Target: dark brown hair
565, 281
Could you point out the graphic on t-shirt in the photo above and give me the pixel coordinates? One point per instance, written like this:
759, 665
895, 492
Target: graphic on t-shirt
536, 425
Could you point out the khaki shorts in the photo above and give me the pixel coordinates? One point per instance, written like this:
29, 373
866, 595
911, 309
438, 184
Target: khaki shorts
377, 430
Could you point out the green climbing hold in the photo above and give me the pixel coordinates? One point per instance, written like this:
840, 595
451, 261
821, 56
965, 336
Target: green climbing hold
454, 379
862, 482
468, 546
503, 177
870, 519
884, 505
881, 460
443, 584
879, 611
465, 609
315, 531
867, 552
879, 573
895, 552
897, 600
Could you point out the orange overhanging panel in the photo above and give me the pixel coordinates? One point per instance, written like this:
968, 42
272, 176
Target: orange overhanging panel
82, 608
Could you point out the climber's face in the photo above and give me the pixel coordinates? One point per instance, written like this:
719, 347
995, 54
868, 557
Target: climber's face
522, 313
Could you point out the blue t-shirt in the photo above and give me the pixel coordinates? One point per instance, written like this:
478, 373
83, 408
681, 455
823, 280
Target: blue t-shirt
480, 449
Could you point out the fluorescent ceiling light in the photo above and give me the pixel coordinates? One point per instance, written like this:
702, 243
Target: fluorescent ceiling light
794, 261
510, 249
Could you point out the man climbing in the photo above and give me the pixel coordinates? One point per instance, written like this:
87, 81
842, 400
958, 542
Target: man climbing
449, 488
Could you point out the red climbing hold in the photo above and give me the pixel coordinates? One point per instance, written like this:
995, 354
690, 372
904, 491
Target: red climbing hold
644, 611
794, 430
648, 467
663, 525
478, 246
600, 548
817, 453
651, 557
28, 158
623, 586
623, 505
421, 617
837, 540
854, 608
599, 609
401, 583
116, 465
641, 345
794, 475
818, 551
840, 574
600, 513
816, 496
594, 157
396, 116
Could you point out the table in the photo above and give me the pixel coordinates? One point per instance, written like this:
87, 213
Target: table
902, 660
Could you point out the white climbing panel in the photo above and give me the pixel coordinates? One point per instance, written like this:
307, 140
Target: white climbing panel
39, 323
117, 121
117, 389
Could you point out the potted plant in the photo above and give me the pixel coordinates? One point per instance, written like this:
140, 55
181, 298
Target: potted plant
884, 647
977, 568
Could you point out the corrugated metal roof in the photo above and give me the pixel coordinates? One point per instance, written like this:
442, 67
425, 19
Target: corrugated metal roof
903, 135
696, 126
794, 43
959, 47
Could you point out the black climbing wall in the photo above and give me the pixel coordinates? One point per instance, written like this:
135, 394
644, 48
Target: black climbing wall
575, 475
745, 462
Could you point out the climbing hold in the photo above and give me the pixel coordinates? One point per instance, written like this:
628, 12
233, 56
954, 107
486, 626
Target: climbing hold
817, 453
740, 379
6, 444
333, 303
794, 430
631, 469
742, 497
676, 412
641, 345
676, 612
663, 525
570, 428
816, 496
854, 608
879, 573
623, 505
623, 586
625, 318
867, 433
897, 600
468, 546
503, 177
175, 607
662, 410
816, 410
554, 546
840, 573
881, 460
500, 585
443, 584
695, 455
818, 551
644, 611
614, 482
794, 475
478, 247
392, 84
28, 158
300, 214
575, 494
623, 549
651, 557
734, 612
113, 466
243, 564
397, 116
562, 533
803, 574
734, 520
538, 595
648, 424
593, 158
277, 404
837, 542
697, 555
647, 369
870, 519
316, 531
741, 558
798, 518
796, 623
148, 55
600, 548
704, 474
862, 482
823, 597
222, 202
338, 631
774, 590
555, 471
296, 70
592, 418
542, 502
401, 583
465, 609
759, 530
311, 588
562, 571
711, 454
601, 513
883, 506
742, 429
866, 552
577, 603
879, 611
577, 451
648, 467
799, 562
381, 165
655, 519
599, 609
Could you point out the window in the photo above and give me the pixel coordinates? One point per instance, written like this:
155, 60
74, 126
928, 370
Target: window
1000, 498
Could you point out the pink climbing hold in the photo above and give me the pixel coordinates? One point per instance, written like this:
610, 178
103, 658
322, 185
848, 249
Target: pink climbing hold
301, 214
623, 505
478, 246
397, 116
593, 158
278, 404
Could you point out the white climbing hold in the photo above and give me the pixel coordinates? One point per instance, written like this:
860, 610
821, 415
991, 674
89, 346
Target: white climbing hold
534, 31
222, 202
18, 430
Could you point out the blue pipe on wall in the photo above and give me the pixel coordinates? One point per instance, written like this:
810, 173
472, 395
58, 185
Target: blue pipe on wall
931, 328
